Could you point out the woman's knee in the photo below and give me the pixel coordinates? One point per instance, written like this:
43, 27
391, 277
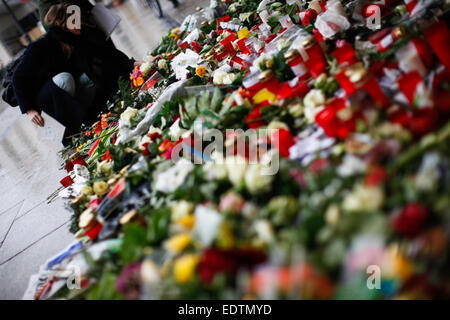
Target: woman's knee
65, 81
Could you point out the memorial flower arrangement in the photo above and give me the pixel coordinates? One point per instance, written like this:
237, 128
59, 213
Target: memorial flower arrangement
350, 100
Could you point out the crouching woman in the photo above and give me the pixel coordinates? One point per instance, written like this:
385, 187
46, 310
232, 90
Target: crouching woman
66, 76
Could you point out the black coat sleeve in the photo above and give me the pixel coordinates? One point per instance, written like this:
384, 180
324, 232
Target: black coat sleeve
25, 77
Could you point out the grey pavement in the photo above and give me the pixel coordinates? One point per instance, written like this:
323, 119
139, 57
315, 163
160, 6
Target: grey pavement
32, 230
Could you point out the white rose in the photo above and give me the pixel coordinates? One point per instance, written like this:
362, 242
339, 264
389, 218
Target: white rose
172, 178
428, 175
127, 115
86, 190
104, 167
364, 198
245, 16
215, 171
162, 64
296, 110
313, 100
100, 188
175, 131
229, 78
261, 60
150, 273
145, 67
219, 76
256, 181
264, 230
154, 130
181, 209
236, 167
332, 214
274, 125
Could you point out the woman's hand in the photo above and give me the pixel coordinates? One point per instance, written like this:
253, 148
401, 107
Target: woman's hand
35, 117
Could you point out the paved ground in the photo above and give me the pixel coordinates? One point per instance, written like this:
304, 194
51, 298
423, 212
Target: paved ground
31, 230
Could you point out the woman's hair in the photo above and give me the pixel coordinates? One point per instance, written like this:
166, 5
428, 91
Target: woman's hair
57, 16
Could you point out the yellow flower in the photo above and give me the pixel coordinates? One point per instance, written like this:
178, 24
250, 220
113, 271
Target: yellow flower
243, 33
184, 268
100, 188
225, 238
81, 147
86, 190
396, 265
139, 81
200, 71
178, 243
187, 222
263, 95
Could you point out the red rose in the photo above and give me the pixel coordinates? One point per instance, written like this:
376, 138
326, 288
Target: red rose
375, 176
145, 151
298, 177
69, 166
309, 15
318, 165
283, 140
310, 282
422, 121
252, 118
106, 156
228, 261
154, 136
411, 220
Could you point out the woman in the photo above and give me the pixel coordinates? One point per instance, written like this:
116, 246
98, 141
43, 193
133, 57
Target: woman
67, 75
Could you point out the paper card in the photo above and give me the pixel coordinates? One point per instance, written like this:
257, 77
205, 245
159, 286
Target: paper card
106, 20
53, 131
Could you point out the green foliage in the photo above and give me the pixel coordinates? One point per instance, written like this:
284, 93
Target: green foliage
135, 239
105, 289
158, 225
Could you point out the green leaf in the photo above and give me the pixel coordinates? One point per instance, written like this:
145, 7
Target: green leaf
190, 106
133, 243
158, 226
105, 289
203, 101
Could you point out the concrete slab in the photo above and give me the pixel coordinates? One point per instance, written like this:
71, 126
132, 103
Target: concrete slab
15, 274
6, 220
32, 227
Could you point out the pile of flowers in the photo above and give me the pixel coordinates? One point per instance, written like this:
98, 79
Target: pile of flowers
347, 196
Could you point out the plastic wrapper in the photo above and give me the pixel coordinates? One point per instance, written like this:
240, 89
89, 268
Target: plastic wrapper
171, 92
333, 20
